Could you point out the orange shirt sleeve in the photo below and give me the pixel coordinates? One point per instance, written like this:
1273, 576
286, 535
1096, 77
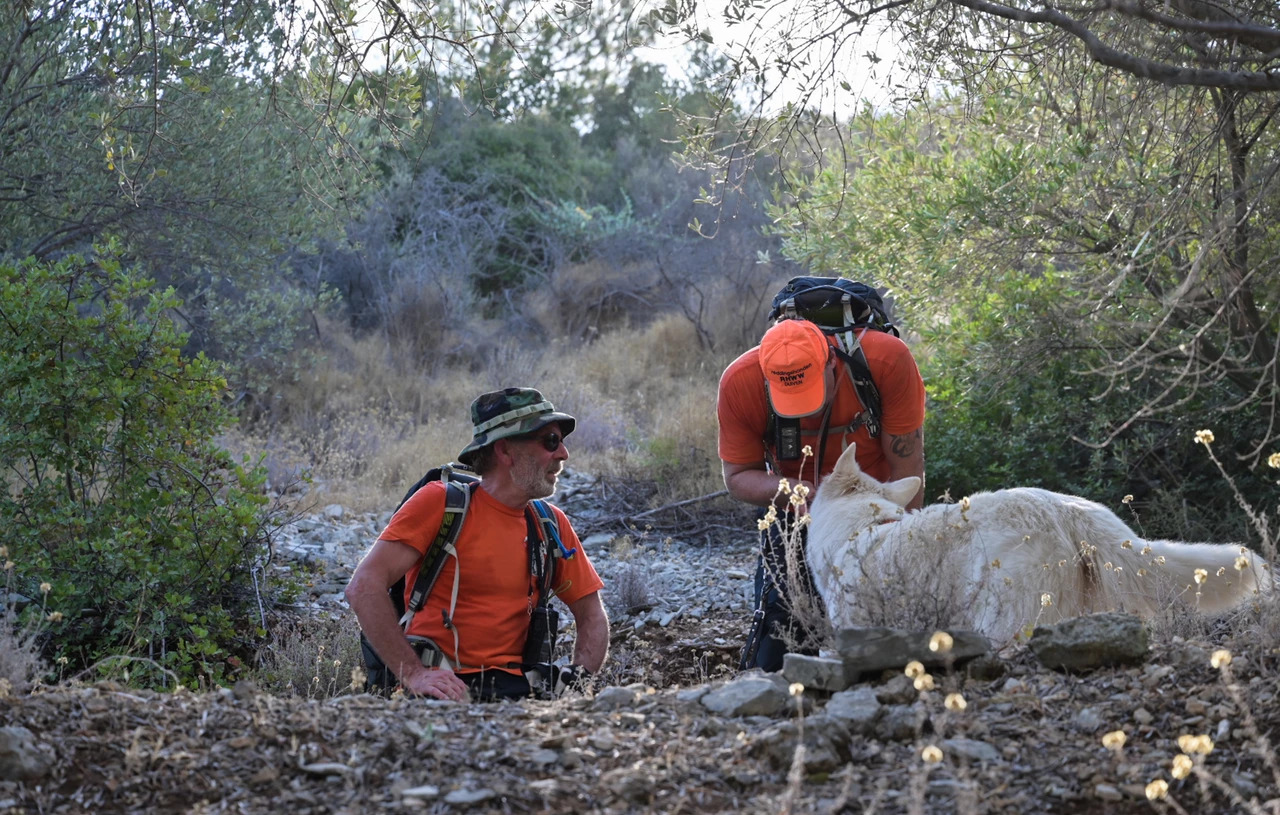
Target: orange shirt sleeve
897, 377
742, 411
417, 522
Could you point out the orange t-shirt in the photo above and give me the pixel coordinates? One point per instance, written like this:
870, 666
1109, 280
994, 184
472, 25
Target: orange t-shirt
496, 592
742, 409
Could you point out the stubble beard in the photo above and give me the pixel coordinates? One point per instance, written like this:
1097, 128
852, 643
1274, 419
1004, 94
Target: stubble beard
535, 480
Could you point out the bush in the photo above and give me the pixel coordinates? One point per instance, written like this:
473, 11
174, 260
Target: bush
117, 494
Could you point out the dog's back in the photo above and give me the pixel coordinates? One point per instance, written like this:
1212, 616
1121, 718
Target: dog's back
1010, 557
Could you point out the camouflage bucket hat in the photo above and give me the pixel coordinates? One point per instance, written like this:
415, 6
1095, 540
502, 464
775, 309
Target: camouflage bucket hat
510, 412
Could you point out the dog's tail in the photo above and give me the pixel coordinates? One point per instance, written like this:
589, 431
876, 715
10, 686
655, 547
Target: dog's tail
1212, 577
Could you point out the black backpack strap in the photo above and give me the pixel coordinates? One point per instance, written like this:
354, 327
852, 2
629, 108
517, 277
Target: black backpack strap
864, 386
457, 499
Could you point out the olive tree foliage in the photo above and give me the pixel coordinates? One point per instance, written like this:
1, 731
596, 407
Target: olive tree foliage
1165, 229
214, 138
175, 128
795, 60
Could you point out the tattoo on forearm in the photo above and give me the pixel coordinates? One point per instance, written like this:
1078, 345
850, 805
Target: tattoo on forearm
905, 446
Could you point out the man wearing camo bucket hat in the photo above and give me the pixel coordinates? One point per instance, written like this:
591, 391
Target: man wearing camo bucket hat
478, 613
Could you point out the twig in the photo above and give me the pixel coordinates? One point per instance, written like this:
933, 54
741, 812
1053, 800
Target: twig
709, 496
627, 518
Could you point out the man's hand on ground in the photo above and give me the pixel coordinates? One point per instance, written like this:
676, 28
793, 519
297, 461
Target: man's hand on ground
438, 683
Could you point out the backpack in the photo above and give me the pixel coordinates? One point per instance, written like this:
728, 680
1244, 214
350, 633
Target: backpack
841, 308
832, 303
542, 530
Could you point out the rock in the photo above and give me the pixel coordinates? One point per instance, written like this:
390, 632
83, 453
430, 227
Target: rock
630, 784
425, 792
1088, 720
899, 723
824, 740
469, 797
1108, 792
751, 695
21, 758
898, 690
596, 543
972, 750
858, 708
615, 698
815, 672
13, 600
870, 650
1090, 642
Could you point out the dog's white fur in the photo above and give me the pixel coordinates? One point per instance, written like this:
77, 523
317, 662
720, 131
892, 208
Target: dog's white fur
1004, 551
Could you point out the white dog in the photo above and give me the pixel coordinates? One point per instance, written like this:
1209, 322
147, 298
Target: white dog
1005, 560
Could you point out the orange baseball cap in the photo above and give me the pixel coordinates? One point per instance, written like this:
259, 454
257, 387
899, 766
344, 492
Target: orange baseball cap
793, 356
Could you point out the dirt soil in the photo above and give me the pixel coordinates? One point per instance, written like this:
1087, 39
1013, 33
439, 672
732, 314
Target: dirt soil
1030, 740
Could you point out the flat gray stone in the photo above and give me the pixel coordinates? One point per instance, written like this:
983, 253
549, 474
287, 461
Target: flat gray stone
758, 695
1092, 641
868, 650
819, 673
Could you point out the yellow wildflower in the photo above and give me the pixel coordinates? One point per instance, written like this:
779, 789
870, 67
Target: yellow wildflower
1181, 766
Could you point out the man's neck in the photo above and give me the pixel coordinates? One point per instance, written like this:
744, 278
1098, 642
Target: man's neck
504, 491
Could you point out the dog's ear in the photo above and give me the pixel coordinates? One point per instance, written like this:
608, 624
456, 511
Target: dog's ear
903, 490
847, 464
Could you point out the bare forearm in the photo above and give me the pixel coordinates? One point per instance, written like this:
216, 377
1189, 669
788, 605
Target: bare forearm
367, 595
905, 455
591, 644
757, 486
377, 616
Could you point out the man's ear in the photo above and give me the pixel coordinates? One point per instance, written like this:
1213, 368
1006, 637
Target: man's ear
502, 452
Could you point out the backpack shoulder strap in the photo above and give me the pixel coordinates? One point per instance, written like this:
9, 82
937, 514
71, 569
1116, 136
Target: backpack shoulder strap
457, 499
545, 546
850, 352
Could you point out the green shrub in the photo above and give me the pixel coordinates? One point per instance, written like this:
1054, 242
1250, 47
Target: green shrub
117, 493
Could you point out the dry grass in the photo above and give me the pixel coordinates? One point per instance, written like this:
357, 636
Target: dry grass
369, 419
316, 658
20, 662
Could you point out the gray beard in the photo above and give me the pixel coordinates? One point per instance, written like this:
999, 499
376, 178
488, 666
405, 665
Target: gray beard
532, 479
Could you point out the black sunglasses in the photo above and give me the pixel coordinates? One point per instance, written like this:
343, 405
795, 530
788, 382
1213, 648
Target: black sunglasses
550, 442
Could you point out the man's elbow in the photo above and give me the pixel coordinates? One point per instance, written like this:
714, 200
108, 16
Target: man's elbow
359, 587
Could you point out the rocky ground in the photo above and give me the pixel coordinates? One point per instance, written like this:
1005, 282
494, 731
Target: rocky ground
673, 726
